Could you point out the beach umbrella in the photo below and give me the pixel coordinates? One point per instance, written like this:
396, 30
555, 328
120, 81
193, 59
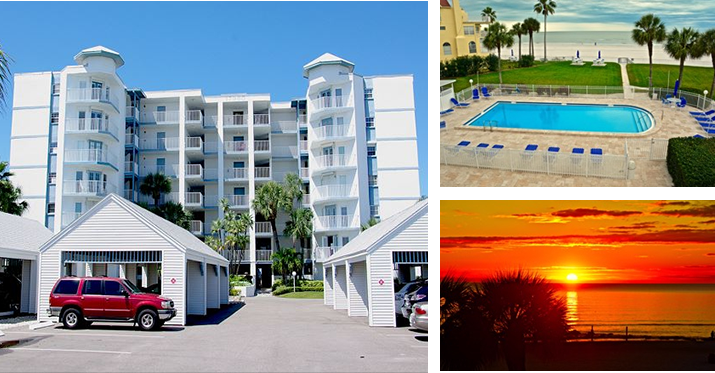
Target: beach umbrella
577, 55
599, 55
677, 85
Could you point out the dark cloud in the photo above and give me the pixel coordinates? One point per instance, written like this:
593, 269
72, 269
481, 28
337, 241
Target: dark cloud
672, 203
636, 226
707, 222
707, 211
579, 213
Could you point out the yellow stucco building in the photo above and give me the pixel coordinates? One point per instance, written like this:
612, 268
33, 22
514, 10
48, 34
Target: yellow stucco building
458, 35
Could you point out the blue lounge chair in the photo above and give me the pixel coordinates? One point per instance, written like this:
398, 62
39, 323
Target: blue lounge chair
483, 145
577, 151
442, 125
699, 136
682, 102
485, 92
531, 147
551, 153
576, 155
665, 99
702, 114
458, 104
596, 156
705, 119
596, 151
464, 143
495, 150
475, 94
445, 112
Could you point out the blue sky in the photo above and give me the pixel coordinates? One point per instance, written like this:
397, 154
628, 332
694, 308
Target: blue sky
223, 47
601, 15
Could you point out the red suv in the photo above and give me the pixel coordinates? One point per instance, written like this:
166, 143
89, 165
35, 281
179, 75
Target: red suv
79, 301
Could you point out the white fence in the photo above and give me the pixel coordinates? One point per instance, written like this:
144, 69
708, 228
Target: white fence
651, 149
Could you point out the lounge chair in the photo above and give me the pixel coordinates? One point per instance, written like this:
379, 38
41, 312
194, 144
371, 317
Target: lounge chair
495, 150
458, 104
445, 112
682, 102
576, 155
705, 119
442, 125
665, 99
699, 136
485, 92
551, 153
531, 147
475, 94
596, 156
464, 143
482, 145
702, 114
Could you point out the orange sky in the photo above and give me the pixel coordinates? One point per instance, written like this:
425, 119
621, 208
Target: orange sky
599, 241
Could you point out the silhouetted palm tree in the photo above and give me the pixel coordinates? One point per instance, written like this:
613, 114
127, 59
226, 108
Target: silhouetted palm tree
518, 30
545, 7
680, 46
649, 29
491, 13
706, 47
9, 194
155, 185
498, 37
531, 26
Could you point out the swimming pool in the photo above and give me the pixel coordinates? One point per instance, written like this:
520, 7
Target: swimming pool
564, 117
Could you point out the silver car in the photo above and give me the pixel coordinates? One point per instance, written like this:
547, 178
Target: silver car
418, 317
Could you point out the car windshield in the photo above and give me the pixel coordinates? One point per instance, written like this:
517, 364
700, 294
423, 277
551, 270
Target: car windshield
133, 288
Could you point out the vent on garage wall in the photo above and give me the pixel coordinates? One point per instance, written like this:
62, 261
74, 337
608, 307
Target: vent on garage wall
112, 256
409, 257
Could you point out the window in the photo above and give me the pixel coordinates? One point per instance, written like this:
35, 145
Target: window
368, 93
468, 30
56, 88
50, 208
447, 49
442, 28
345, 240
161, 108
67, 287
92, 287
54, 118
113, 288
472, 47
371, 151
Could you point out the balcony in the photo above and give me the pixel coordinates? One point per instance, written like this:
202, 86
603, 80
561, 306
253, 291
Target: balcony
261, 120
335, 222
231, 121
131, 167
262, 145
302, 120
196, 227
161, 117
88, 188
132, 112
131, 195
329, 102
335, 191
306, 200
235, 147
331, 132
91, 126
264, 255
69, 217
168, 197
194, 144
284, 127
237, 201
322, 253
94, 156
307, 254
194, 199
194, 117
374, 210
332, 161
194, 171
303, 146
131, 139
372, 179
159, 144
262, 172
170, 170
263, 227
304, 172
92, 95
236, 174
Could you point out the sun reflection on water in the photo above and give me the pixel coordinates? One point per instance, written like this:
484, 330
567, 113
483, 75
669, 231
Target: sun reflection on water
571, 307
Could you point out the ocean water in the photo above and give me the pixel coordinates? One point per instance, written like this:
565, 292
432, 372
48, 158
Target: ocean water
647, 310
585, 37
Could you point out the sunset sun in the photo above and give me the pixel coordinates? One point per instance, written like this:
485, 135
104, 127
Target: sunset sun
572, 277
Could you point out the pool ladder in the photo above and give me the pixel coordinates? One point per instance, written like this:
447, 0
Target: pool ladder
489, 123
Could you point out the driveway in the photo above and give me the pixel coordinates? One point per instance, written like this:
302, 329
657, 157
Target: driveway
265, 334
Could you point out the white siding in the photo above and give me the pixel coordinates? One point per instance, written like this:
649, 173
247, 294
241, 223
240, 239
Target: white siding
358, 290
50, 264
195, 295
212, 287
224, 285
26, 289
341, 287
172, 267
328, 286
412, 238
382, 307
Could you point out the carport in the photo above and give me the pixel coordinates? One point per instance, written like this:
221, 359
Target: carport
119, 238
360, 277
20, 240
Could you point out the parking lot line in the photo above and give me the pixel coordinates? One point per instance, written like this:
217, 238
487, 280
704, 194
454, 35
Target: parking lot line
69, 350
65, 333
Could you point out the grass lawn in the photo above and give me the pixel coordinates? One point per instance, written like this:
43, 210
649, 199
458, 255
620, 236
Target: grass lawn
304, 295
556, 73
695, 79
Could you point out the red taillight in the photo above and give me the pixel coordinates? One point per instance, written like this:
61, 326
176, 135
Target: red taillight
420, 311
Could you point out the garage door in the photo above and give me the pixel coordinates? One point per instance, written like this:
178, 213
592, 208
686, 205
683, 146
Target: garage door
341, 287
195, 296
212, 287
328, 285
358, 290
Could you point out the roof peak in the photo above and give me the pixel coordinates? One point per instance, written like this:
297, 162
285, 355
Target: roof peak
99, 51
327, 59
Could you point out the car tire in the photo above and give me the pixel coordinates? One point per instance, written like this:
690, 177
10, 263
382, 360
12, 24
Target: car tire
148, 320
72, 318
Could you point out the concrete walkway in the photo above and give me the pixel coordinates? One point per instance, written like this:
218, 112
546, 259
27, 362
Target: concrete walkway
626, 82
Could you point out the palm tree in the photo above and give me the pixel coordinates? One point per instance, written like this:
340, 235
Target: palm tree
9, 194
520, 305
293, 187
4, 76
155, 185
270, 199
498, 37
680, 46
706, 46
230, 233
545, 7
649, 29
491, 13
175, 213
300, 226
370, 223
286, 260
531, 26
518, 30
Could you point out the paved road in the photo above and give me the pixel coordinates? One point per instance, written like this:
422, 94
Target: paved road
266, 334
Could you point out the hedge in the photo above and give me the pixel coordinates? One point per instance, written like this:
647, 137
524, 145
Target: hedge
691, 161
310, 284
289, 289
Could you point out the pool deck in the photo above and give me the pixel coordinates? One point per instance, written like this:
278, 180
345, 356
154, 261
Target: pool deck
669, 123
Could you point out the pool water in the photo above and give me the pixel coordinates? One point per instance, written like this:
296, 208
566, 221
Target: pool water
564, 117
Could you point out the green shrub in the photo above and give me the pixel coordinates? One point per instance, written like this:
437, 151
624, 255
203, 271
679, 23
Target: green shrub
492, 62
691, 161
307, 284
526, 60
289, 289
234, 292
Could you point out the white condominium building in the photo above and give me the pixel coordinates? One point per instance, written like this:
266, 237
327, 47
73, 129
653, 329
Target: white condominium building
80, 133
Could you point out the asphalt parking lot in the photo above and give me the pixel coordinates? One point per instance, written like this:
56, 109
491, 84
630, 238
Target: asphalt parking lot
264, 334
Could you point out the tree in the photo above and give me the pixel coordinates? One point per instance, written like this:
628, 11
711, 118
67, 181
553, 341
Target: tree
293, 188
498, 37
230, 234
518, 30
155, 185
175, 213
300, 227
531, 26
649, 29
270, 199
491, 13
706, 46
286, 260
9, 194
545, 7
680, 46
5, 76
370, 223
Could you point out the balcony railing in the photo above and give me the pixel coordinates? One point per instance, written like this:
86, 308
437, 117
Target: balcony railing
194, 199
261, 119
328, 132
90, 156
236, 174
194, 171
194, 116
326, 102
169, 197
263, 255
161, 117
306, 199
326, 222
170, 170
262, 145
52, 178
262, 172
194, 143
322, 253
333, 191
372, 179
237, 200
335, 160
96, 188
90, 125
304, 172
234, 120
169, 143
303, 145
284, 126
235, 146
196, 227
131, 195
263, 227
132, 112
92, 95
374, 210
131, 167
131, 139
69, 217
302, 120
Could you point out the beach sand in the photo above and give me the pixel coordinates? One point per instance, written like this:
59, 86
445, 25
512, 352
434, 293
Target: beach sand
632, 355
